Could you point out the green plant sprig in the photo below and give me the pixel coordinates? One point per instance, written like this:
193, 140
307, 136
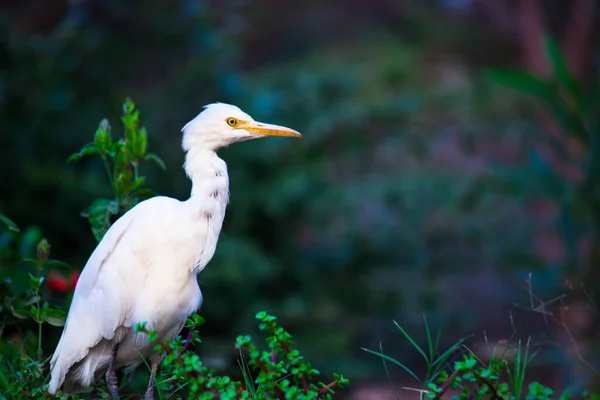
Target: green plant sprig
121, 159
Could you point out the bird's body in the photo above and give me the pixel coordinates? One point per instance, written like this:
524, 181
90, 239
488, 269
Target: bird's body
144, 269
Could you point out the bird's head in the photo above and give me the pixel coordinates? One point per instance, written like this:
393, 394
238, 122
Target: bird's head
219, 125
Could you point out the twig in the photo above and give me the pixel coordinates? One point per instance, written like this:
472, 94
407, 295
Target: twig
490, 385
446, 385
576, 348
325, 388
188, 339
472, 394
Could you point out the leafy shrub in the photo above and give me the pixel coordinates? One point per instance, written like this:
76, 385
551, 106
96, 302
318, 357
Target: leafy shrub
277, 373
470, 377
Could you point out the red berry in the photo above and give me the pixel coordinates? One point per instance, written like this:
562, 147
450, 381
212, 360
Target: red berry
56, 283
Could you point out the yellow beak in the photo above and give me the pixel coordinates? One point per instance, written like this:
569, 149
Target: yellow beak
259, 128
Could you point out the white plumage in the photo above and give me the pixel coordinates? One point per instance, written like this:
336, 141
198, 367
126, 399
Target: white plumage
144, 269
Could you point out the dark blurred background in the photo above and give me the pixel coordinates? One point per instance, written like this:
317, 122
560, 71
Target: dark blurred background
420, 186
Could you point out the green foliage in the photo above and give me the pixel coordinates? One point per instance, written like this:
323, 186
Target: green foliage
279, 372
561, 95
121, 159
476, 380
470, 377
22, 364
16, 305
9, 223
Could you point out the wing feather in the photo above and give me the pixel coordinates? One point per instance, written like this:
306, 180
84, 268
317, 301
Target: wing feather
97, 309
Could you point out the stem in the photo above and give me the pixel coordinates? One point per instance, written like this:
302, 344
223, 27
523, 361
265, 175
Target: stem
39, 321
136, 166
490, 385
472, 394
188, 339
109, 172
39, 350
446, 385
324, 389
187, 342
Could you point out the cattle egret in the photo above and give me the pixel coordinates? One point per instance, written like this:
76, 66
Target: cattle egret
144, 268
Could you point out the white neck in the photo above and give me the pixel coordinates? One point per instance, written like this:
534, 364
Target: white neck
208, 174
208, 200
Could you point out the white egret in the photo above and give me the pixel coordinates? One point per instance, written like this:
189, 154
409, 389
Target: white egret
144, 269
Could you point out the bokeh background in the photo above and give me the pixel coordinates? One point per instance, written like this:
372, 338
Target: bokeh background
421, 187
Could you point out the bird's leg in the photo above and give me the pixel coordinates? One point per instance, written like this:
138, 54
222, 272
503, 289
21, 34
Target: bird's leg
150, 390
111, 377
94, 393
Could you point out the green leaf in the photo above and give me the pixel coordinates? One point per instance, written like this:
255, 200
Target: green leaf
52, 263
430, 345
387, 372
398, 363
9, 223
22, 314
138, 183
197, 320
99, 214
523, 82
123, 182
102, 139
412, 342
156, 159
86, 150
130, 122
140, 144
116, 148
55, 317
121, 159
35, 282
31, 262
561, 69
444, 356
123, 174
528, 84
128, 106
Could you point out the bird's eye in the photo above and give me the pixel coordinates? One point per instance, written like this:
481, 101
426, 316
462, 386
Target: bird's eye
232, 121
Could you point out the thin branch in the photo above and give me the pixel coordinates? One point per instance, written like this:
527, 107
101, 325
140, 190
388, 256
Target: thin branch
446, 385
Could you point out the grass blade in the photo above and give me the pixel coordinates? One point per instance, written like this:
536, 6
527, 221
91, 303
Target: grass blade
392, 360
432, 350
561, 69
412, 342
523, 82
451, 350
387, 372
246, 373
516, 377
